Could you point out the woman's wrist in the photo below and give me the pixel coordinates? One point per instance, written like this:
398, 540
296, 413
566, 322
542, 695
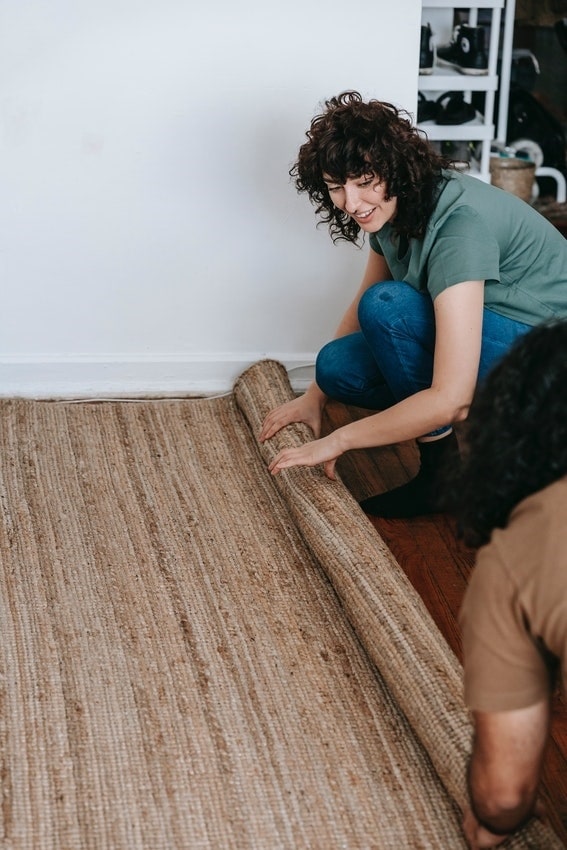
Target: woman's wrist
344, 438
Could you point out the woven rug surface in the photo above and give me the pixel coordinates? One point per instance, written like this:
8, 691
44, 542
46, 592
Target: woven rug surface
197, 655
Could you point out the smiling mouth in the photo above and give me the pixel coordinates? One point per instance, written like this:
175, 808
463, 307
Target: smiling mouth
364, 215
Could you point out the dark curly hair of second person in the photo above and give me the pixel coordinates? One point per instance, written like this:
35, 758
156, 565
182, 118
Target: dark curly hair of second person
352, 138
515, 433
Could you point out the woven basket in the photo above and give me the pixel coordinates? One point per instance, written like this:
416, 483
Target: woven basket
514, 175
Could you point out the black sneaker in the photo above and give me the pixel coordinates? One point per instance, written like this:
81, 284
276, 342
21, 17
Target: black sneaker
426, 50
452, 108
467, 51
427, 110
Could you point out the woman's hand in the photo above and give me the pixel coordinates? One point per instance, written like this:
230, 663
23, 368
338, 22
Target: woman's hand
307, 409
325, 451
477, 836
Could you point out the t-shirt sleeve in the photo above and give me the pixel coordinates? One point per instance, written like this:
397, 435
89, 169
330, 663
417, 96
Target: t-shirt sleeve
374, 243
504, 669
462, 249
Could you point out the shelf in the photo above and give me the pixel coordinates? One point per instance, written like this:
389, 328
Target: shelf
447, 79
450, 4
473, 131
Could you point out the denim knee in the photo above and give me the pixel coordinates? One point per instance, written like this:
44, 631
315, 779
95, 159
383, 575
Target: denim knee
341, 366
328, 368
385, 303
346, 371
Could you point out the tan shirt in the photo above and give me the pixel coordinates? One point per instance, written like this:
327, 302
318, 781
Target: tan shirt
514, 614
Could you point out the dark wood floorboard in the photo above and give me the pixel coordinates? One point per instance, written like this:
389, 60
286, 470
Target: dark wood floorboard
438, 565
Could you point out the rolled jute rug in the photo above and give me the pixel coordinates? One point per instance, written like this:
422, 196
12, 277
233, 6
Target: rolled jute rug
197, 655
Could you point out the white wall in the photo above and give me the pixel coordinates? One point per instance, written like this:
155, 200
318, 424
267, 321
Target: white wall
150, 238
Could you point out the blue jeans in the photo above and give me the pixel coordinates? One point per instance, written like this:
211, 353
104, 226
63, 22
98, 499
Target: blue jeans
391, 357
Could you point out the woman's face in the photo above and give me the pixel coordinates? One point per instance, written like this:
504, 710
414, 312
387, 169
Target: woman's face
363, 198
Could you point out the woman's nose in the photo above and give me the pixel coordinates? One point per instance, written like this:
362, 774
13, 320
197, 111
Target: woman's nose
351, 199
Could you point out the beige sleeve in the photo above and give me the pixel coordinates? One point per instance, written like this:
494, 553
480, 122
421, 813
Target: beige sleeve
504, 670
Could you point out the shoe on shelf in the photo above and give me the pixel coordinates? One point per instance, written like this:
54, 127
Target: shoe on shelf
426, 55
452, 109
426, 109
466, 52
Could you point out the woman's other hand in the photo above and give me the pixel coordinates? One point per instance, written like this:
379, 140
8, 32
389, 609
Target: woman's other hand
307, 409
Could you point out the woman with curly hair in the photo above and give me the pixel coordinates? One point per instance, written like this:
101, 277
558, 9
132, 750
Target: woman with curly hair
456, 271
511, 500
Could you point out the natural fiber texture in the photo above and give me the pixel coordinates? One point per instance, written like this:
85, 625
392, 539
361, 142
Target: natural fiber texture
390, 619
513, 175
195, 655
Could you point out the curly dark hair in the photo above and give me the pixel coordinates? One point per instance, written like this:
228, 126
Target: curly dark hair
353, 138
515, 433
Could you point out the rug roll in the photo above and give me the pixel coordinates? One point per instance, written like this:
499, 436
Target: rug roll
389, 618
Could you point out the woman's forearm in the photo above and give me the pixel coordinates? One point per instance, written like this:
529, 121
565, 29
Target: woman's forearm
413, 417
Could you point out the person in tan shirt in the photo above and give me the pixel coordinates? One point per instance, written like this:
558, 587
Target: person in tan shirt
512, 502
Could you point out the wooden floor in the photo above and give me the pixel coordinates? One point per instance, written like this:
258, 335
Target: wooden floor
438, 565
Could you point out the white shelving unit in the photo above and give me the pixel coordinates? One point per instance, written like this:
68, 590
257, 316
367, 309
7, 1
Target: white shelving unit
443, 79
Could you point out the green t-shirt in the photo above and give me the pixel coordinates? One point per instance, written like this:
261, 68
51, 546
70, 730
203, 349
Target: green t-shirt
480, 232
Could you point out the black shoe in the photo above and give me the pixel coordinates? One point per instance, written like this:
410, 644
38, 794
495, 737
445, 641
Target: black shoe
427, 110
426, 50
452, 108
423, 494
467, 51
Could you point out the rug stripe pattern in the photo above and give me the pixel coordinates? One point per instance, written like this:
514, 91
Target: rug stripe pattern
179, 668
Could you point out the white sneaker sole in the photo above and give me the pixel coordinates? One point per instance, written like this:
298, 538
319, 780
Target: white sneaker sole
471, 72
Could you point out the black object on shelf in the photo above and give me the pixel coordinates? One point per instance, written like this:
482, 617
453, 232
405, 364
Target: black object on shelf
529, 119
426, 54
453, 109
466, 52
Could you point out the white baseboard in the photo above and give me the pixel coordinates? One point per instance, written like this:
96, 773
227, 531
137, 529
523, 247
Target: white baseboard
84, 376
